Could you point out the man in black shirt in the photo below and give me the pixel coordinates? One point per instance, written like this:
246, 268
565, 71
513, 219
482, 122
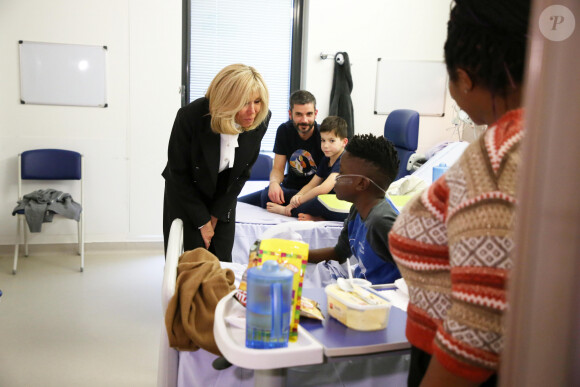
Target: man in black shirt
298, 145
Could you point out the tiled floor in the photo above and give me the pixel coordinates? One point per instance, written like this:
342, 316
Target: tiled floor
60, 327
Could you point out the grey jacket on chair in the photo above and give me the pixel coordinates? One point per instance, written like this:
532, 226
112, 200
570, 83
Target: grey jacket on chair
41, 205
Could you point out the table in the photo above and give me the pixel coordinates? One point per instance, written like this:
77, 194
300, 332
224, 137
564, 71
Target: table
318, 341
339, 340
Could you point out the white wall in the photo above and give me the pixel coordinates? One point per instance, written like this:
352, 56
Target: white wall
125, 144
367, 30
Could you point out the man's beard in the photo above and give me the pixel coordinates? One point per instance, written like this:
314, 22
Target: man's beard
303, 128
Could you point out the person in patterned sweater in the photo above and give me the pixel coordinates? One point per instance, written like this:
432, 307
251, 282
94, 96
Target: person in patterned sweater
453, 243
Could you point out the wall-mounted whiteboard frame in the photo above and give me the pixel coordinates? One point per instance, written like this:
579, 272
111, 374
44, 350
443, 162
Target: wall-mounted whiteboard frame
407, 84
62, 74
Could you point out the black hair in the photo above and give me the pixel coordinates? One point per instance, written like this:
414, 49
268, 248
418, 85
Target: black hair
302, 97
334, 124
379, 152
487, 39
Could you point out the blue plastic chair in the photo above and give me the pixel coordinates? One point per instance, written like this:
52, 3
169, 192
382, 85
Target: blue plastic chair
262, 168
48, 164
402, 129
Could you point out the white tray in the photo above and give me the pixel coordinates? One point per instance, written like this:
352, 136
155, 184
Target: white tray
232, 343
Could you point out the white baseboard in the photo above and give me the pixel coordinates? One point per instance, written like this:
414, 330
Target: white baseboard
65, 248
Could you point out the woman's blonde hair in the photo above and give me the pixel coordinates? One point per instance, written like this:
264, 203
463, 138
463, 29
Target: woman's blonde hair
228, 93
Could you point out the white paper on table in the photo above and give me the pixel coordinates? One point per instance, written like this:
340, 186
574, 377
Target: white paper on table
398, 297
402, 285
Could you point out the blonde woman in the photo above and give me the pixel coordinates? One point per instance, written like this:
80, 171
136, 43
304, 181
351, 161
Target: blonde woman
214, 143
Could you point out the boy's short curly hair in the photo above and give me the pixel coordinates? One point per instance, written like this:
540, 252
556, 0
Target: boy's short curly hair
379, 152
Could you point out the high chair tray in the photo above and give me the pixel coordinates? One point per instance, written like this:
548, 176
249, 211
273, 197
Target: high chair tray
232, 343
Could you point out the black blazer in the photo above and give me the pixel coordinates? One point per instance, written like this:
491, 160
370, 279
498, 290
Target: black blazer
192, 167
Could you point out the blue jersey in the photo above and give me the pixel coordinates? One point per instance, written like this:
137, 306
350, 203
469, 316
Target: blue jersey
367, 241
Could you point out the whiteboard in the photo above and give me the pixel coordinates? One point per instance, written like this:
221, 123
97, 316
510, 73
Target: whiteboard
415, 85
62, 74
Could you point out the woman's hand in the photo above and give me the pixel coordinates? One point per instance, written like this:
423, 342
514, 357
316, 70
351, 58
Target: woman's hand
207, 232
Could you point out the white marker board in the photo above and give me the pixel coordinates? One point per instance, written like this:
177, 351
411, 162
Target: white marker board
415, 85
62, 74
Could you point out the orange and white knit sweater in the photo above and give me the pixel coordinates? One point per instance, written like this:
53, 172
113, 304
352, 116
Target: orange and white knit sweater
453, 245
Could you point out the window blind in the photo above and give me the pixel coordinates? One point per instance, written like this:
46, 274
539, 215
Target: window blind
257, 33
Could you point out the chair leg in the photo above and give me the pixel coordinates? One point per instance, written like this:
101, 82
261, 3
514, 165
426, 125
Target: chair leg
17, 244
25, 233
79, 223
81, 231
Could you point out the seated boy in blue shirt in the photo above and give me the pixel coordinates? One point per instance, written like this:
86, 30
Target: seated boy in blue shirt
304, 205
368, 166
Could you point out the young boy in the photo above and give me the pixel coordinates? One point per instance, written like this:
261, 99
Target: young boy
369, 164
304, 205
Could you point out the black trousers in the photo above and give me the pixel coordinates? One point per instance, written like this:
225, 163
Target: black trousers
222, 242
419, 364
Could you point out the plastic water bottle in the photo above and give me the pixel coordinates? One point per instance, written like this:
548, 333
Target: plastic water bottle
439, 170
268, 307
